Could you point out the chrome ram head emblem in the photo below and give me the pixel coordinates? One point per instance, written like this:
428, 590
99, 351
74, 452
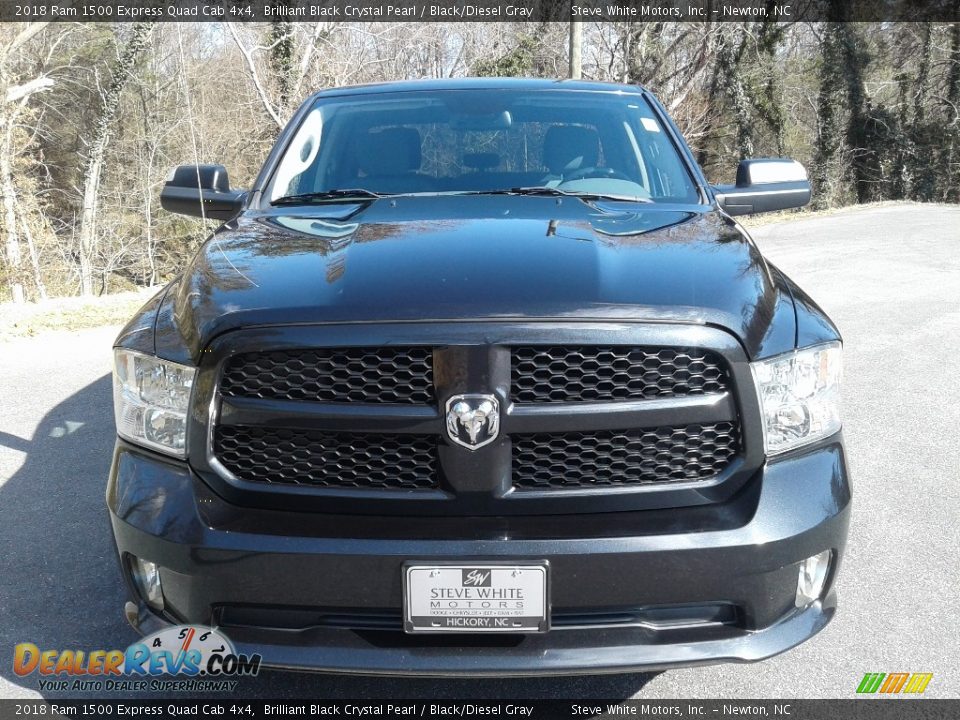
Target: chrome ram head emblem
473, 420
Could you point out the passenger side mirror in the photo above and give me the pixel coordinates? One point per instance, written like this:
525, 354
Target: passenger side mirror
201, 191
765, 185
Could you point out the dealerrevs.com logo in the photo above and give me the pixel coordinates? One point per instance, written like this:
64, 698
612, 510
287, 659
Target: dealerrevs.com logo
200, 659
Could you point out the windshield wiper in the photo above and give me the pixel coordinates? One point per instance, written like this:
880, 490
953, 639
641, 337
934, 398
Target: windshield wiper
347, 194
557, 192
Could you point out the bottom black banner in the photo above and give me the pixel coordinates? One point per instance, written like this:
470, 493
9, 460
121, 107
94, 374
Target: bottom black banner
872, 709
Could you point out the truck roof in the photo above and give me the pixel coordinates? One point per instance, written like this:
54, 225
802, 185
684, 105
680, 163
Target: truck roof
479, 83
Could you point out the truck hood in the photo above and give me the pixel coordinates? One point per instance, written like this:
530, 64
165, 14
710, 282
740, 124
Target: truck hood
478, 257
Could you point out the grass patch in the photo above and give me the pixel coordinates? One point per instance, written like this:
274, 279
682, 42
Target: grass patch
70, 313
753, 221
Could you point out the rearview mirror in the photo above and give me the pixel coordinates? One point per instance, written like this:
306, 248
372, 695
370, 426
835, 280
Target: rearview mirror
201, 191
765, 185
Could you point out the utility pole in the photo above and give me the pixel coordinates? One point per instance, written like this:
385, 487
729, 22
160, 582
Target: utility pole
576, 41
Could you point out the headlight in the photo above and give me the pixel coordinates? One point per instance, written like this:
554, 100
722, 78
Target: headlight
799, 396
151, 398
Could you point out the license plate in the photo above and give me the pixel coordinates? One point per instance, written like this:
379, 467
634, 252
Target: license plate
482, 597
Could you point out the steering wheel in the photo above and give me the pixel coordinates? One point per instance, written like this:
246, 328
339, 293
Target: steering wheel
596, 172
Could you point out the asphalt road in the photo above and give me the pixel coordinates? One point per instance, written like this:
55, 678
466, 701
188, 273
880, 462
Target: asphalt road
890, 278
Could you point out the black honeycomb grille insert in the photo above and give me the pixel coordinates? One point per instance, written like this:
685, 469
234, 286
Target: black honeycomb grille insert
343, 460
690, 453
370, 375
584, 374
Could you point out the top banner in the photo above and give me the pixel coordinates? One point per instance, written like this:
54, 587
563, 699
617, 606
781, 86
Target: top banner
779, 11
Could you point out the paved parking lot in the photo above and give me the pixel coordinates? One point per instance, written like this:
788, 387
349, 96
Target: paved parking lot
889, 276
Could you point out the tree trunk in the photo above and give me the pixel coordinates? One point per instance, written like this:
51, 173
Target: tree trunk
768, 99
281, 61
10, 98
853, 64
925, 169
952, 112
643, 52
109, 108
953, 74
10, 225
841, 93
34, 257
576, 44
731, 80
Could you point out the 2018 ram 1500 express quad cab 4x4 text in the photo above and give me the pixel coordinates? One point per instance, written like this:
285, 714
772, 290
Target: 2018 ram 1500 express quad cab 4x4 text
486, 357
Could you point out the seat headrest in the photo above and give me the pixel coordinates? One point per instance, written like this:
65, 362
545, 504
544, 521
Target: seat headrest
481, 160
568, 147
392, 151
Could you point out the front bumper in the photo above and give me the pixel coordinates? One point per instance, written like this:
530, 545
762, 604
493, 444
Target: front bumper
633, 591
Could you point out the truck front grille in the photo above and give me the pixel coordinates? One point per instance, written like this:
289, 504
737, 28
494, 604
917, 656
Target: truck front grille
341, 460
635, 457
369, 375
578, 374
579, 424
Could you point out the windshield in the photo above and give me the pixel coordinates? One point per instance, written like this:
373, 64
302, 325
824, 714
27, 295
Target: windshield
479, 141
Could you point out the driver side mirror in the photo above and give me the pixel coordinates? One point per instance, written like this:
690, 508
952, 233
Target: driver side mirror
765, 185
201, 191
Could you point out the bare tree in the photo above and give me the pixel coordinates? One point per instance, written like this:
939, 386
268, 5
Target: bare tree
14, 97
109, 107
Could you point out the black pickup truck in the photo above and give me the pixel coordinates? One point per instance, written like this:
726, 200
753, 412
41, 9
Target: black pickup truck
485, 357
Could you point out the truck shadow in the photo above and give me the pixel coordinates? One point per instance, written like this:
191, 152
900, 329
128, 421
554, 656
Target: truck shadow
61, 586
